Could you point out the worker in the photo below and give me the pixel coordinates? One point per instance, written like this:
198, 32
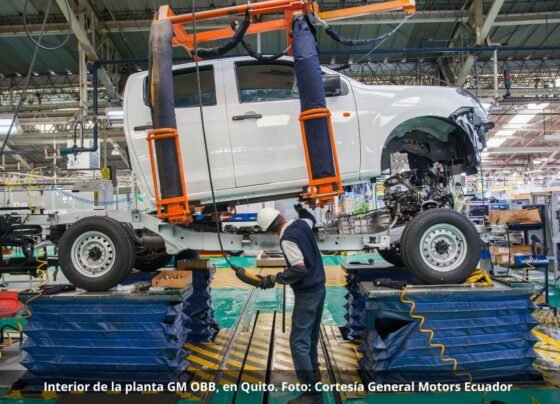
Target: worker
306, 276
305, 214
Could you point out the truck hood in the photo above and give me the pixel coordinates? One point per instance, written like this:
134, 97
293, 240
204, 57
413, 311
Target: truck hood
449, 99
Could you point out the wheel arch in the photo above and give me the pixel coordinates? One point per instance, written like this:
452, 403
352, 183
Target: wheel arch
436, 138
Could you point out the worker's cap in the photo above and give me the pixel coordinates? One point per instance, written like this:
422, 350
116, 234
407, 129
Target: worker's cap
266, 217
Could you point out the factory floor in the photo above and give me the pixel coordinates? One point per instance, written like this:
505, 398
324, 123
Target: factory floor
230, 298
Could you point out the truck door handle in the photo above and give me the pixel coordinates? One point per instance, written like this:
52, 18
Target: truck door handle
246, 116
143, 127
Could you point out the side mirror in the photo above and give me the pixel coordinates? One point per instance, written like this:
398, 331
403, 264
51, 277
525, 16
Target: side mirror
332, 85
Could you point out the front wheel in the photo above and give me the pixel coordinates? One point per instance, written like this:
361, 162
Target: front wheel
440, 246
96, 253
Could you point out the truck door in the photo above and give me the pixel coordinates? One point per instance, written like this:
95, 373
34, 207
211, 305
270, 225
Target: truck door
190, 128
263, 109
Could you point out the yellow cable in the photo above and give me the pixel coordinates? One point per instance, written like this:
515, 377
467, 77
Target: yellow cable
41, 270
10, 341
479, 277
431, 333
43, 274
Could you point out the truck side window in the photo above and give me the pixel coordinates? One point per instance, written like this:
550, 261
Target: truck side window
265, 82
185, 87
272, 82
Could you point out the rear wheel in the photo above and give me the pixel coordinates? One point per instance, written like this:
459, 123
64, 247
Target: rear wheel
440, 246
96, 253
392, 256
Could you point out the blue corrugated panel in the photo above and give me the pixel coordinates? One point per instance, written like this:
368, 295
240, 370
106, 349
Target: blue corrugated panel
198, 309
117, 339
489, 334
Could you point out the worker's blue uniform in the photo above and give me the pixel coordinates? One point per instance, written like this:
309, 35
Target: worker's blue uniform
307, 280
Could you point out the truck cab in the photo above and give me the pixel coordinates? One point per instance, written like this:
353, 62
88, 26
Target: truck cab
251, 114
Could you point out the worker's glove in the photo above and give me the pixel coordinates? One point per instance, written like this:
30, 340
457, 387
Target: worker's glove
247, 277
267, 282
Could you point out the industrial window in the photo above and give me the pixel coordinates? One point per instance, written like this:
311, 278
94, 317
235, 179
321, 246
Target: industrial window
270, 82
185, 88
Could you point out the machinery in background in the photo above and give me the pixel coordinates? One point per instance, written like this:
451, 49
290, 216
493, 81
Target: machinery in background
19, 246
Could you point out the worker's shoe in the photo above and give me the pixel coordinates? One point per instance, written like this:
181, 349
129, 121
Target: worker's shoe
317, 374
314, 397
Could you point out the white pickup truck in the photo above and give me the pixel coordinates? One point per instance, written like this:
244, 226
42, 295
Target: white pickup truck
251, 114
256, 152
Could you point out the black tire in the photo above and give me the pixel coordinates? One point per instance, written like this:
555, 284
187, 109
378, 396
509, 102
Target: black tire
392, 256
151, 261
402, 250
442, 230
111, 245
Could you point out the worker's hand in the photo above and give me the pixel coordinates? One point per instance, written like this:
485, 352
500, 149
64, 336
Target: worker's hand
247, 277
267, 282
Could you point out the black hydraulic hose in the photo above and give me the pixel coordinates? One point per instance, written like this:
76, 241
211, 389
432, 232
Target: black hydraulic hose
259, 56
205, 140
335, 36
240, 272
229, 45
38, 42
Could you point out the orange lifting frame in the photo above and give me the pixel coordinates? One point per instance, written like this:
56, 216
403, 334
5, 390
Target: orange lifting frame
287, 7
176, 210
320, 190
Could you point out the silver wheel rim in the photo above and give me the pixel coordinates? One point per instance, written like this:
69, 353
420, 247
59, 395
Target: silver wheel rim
443, 247
93, 254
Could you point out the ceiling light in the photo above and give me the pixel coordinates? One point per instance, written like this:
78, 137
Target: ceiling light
537, 106
496, 141
553, 137
514, 126
6, 121
504, 132
521, 118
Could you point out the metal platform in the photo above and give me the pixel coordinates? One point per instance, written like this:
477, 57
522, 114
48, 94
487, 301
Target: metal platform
502, 287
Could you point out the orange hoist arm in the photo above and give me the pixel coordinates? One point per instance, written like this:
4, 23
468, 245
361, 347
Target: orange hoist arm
320, 190
286, 7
